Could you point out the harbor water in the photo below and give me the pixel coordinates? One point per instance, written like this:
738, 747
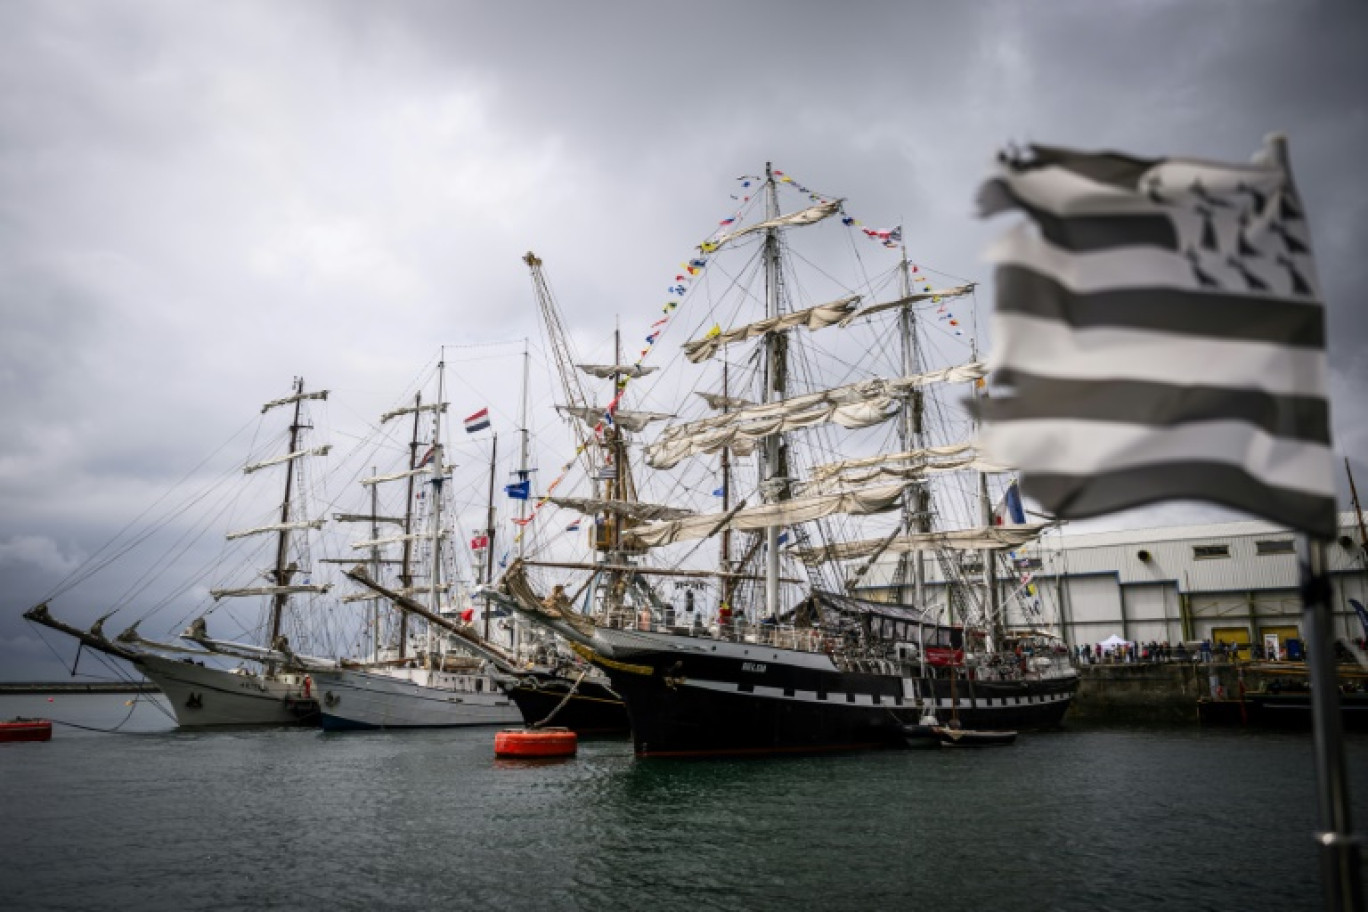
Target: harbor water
1086, 818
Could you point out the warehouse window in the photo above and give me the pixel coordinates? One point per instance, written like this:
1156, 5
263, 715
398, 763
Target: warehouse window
1282, 546
1204, 552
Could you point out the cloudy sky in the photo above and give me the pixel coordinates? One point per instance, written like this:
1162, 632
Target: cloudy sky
199, 202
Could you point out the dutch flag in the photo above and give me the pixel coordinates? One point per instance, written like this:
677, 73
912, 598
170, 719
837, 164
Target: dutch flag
478, 421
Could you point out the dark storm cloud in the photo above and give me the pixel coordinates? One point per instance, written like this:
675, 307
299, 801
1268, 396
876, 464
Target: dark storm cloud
199, 203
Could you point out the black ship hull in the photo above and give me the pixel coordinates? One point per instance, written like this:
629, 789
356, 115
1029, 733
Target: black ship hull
714, 705
591, 709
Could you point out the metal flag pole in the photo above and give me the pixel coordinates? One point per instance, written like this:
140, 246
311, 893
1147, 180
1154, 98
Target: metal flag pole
1339, 851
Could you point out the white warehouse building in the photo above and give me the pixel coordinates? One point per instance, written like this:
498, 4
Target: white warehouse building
1233, 582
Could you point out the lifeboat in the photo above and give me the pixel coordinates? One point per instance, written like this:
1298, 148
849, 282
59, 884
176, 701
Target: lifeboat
539, 743
21, 729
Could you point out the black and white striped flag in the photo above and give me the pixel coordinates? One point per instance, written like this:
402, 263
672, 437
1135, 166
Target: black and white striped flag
1160, 326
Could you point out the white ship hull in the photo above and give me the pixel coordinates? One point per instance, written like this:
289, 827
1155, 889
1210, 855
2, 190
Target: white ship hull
212, 697
410, 698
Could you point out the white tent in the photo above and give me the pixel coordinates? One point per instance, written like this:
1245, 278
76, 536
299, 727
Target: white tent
1112, 642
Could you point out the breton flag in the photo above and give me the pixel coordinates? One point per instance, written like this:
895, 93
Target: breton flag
1160, 326
478, 421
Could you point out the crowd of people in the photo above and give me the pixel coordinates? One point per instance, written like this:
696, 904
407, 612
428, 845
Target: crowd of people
1154, 652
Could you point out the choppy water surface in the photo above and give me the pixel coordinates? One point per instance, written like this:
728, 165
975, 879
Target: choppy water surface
1082, 819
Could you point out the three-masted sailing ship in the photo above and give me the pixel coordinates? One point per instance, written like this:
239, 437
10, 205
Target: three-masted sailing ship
266, 687
846, 474
446, 678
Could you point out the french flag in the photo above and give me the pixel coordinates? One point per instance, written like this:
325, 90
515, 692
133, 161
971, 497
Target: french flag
478, 421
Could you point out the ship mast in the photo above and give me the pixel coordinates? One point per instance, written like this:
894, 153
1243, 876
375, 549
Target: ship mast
911, 434
283, 571
406, 559
523, 470
728, 584
772, 478
489, 527
435, 519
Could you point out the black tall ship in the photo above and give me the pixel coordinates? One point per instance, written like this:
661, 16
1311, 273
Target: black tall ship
848, 483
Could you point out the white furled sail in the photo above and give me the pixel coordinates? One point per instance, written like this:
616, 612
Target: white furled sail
395, 540
298, 454
935, 293
628, 420
437, 407
808, 216
813, 318
277, 527
979, 539
268, 590
608, 371
631, 509
911, 465
290, 400
782, 513
397, 476
857, 405
724, 403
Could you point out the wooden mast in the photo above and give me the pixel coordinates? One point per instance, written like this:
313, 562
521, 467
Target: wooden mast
283, 571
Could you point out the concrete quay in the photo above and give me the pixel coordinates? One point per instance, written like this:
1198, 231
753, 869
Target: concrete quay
1167, 692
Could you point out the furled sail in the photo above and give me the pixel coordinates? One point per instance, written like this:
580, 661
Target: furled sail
646, 512
813, 318
979, 539
438, 407
854, 406
277, 527
909, 465
608, 371
396, 540
724, 403
268, 590
941, 293
297, 454
421, 470
783, 513
297, 397
631, 421
808, 216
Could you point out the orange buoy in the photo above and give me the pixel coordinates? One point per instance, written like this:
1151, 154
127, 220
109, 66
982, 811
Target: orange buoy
535, 743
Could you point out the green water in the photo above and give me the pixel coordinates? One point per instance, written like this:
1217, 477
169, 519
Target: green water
1083, 819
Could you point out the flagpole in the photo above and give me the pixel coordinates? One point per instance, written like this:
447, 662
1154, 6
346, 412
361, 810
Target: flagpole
1339, 858
1339, 855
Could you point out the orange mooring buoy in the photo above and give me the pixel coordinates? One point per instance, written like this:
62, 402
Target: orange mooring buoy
535, 743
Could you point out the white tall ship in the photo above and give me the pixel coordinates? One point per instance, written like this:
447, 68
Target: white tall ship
429, 678
264, 688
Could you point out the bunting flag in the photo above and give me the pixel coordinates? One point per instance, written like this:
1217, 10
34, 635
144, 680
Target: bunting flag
478, 421
573, 527
479, 543
1159, 324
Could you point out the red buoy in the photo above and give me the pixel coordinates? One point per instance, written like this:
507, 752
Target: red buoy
535, 743
26, 730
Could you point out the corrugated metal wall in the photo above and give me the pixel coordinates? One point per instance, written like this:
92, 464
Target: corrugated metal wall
1164, 584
